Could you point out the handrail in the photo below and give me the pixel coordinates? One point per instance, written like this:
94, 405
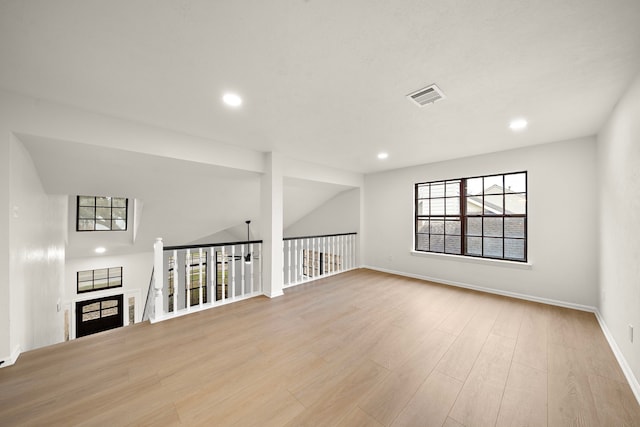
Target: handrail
145, 314
208, 245
319, 235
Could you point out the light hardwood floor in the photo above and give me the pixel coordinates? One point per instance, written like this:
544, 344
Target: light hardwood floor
359, 349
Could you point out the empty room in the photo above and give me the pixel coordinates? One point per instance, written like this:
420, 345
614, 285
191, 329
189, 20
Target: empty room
288, 213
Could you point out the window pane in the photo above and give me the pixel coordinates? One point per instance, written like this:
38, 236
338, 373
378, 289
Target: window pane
103, 213
453, 244
84, 276
101, 273
474, 245
119, 202
493, 227
100, 284
437, 243
515, 183
474, 205
437, 206
86, 225
119, 213
103, 201
493, 185
109, 303
91, 316
423, 191
514, 227
492, 247
453, 188
514, 248
119, 224
453, 206
85, 286
110, 312
86, 201
452, 227
474, 226
115, 272
437, 226
103, 224
115, 282
91, 307
423, 227
437, 189
423, 207
493, 205
86, 213
516, 204
422, 242
474, 186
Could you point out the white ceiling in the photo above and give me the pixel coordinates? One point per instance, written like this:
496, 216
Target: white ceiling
183, 201
326, 80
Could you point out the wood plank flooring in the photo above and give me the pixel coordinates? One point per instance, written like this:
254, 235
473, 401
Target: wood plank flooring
359, 349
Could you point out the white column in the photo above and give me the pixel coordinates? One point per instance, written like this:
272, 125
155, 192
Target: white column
200, 276
243, 267
253, 262
271, 195
233, 271
222, 288
158, 278
176, 281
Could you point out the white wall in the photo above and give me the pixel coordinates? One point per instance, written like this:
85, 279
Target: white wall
36, 245
562, 223
340, 214
619, 191
136, 275
5, 288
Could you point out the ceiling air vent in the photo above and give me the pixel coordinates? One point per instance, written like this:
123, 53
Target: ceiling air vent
427, 95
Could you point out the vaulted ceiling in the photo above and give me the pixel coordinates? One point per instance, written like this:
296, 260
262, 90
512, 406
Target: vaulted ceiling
326, 81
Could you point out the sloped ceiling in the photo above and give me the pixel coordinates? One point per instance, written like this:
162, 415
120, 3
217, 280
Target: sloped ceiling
327, 80
182, 201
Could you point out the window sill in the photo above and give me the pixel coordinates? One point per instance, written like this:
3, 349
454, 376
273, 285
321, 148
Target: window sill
474, 260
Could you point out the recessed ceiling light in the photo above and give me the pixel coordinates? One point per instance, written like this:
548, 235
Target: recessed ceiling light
383, 156
100, 250
518, 125
232, 100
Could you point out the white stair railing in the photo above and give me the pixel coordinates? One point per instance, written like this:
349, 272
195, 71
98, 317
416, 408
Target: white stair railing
195, 277
309, 258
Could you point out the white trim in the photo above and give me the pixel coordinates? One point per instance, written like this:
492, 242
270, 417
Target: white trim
626, 369
12, 359
517, 295
314, 278
206, 306
475, 260
274, 294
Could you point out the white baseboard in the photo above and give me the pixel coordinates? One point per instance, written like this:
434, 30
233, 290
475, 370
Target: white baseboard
628, 373
626, 369
274, 294
12, 359
549, 301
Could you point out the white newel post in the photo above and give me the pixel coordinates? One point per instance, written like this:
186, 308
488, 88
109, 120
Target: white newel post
158, 278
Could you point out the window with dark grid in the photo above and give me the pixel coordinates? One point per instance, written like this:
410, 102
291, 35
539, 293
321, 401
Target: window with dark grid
97, 213
482, 216
96, 280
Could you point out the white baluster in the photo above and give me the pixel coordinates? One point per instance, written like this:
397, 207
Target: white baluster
176, 281
289, 262
260, 272
187, 261
253, 261
295, 260
200, 277
243, 267
222, 287
233, 272
214, 273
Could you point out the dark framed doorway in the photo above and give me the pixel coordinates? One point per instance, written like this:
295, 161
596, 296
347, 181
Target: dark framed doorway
99, 315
